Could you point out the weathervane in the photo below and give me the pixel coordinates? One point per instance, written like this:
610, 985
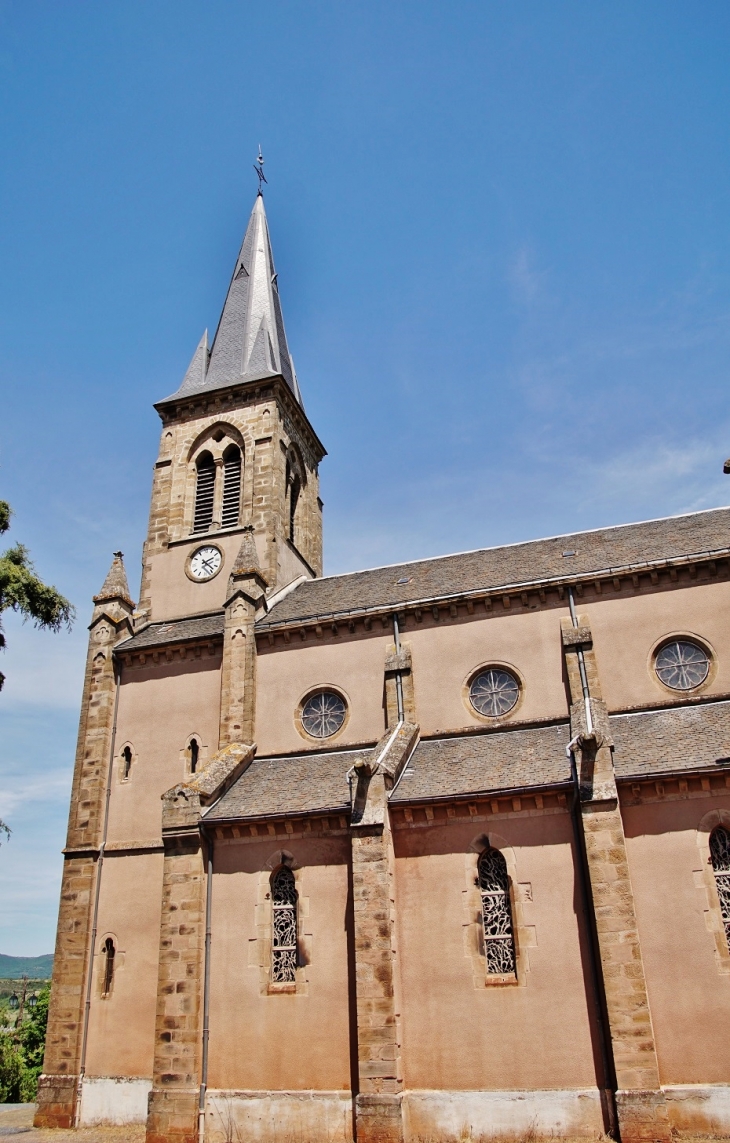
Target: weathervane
259, 169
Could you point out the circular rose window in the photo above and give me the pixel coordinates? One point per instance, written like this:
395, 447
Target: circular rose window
682, 665
323, 714
494, 692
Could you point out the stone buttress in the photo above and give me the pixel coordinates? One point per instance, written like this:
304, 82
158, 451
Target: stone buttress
640, 1103
59, 1085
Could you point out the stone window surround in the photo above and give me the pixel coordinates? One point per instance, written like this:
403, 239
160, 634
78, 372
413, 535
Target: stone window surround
122, 761
704, 878
685, 637
309, 693
259, 947
485, 719
184, 754
99, 967
520, 895
206, 442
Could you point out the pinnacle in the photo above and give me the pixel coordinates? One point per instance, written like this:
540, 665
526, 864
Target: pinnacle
247, 560
115, 585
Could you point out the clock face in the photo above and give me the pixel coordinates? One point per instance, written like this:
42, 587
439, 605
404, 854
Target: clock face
205, 562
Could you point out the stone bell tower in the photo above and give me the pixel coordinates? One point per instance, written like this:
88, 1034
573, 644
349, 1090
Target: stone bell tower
237, 450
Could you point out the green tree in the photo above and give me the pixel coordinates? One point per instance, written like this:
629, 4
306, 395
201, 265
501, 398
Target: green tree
21, 1053
22, 590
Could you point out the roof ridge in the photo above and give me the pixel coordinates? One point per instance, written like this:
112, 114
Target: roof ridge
525, 543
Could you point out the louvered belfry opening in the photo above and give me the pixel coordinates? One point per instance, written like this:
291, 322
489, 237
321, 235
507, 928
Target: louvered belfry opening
231, 486
204, 493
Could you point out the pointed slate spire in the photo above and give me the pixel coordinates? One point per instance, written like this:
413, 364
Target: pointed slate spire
115, 585
194, 379
250, 342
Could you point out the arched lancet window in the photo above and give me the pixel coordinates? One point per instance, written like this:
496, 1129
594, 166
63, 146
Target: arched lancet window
231, 486
720, 857
284, 927
499, 941
109, 953
194, 753
204, 493
126, 762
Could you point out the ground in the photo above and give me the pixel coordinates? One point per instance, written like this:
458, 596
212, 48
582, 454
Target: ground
17, 1119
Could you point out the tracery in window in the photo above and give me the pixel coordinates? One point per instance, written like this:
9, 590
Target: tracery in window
284, 927
126, 762
494, 692
682, 665
499, 941
109, 954
323, 714
204, 492
231, 486
720, 857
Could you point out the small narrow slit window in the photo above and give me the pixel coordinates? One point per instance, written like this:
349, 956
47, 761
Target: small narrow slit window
231, 486
126, 763
499, 941
720, 857
109, 954
284, 927
204, 493
194, 752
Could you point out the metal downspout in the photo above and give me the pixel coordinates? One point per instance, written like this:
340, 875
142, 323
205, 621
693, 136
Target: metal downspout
97, 893
398, 679
206, 985
584, 876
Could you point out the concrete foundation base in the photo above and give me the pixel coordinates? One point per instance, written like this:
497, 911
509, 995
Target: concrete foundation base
114, 1100
458, 1115
701, 1109
265, 1116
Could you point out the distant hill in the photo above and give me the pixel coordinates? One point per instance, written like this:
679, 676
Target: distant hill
35, 967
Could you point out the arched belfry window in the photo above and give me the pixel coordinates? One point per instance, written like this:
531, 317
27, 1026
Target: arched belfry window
720, 857
204, 492
293, 492
109, 954
499, 941
284, 927
231, 486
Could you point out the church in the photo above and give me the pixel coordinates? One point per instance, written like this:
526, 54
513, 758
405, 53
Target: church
437, 851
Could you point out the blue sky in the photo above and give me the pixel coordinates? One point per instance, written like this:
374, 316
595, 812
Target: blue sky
502, 240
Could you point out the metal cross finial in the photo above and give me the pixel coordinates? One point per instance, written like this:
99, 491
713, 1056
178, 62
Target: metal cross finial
259, 169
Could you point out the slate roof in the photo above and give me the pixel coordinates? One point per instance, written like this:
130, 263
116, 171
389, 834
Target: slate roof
175, 631
481, 763
660, 741
250, 342
307, 783
605, 550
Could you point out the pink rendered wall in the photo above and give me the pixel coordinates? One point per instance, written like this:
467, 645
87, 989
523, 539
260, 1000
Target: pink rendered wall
445, 655
626, 630
280, 1041
688, 997
174, 594
354, 666
159, 708
122, 1025
460, 1037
